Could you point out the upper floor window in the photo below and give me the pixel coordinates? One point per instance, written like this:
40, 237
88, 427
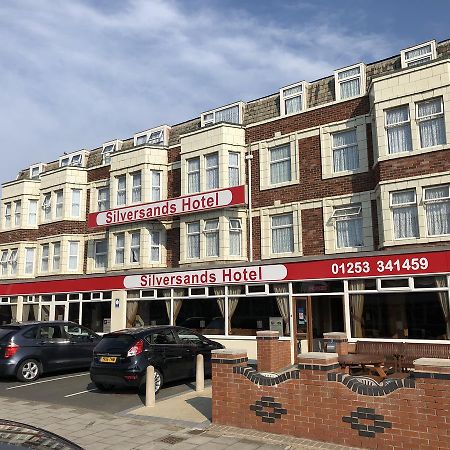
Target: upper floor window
212, 170
121, 190
235, 237
345, 151
47, 206
404, 211
36, 170
103, 199
32, 212
156, 185
280, 164
193, 175
45, 252
430, 117
349, 226
120, 248
73, 255
100, 253
155, 246
108, 149
7, 215
13, 260
135, 253
292, 98
350, 81
234, 168
136, 187
29, 260
419, 54
59, 204
437, 207
17, 213
282, 228
193, 240
211, 230
75, 159
56, 256
155, 136
398, 129
230, 114
4, 262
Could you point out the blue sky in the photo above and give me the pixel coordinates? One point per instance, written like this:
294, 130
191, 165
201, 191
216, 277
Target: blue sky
77, 73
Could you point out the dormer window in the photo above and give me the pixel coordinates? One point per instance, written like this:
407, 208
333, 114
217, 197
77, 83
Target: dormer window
155, 136
350, 81
108, 149
292, 98
419, 54
230, 114
36, 170
74, 159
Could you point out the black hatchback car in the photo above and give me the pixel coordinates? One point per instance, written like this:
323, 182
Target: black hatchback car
31, 348
122, 357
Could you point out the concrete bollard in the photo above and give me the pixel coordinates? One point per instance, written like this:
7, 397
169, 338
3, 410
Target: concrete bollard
200, 374
150, 387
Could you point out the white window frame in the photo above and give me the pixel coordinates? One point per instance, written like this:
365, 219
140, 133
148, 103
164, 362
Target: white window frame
153, 246
333, 148
397, 124
40, 168
212, 169
345, 213
109, 148
59, 203
8, 216
32, 212
402, 205
434, 116
12, 260
121, 191
47, 206
136, 189
100, 256
235, 229
278, 161
233, 167
73, 256
135, 248
191, 172
284, 97
426, 202
361, 76
30, 255
155, 136
291, 226
156, 187
4, 262
209, 117
119, 250
56, 258
104, 202
195, 235
17, 213
209, 232
414, 61
45, 258
76, 159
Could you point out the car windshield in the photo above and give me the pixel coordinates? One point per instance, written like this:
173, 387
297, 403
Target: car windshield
6, 331
115, 342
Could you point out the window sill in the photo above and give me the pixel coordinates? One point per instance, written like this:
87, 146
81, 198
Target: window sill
413, 152
278, 185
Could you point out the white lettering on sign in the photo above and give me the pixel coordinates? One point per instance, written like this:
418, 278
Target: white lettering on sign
231, 275
181, 205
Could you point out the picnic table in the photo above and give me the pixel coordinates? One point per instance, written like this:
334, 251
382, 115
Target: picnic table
366, 361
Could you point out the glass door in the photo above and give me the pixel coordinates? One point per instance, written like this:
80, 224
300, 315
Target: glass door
61, 311
303, 325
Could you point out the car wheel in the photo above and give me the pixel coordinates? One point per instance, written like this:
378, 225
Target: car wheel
104, 387
158, 382
28, 370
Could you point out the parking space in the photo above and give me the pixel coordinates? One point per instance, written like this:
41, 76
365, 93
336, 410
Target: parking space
75, 389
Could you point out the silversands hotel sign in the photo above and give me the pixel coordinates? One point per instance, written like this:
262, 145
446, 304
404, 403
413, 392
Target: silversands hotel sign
226, 275
220, 198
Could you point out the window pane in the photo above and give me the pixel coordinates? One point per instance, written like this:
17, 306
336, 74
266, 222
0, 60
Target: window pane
282, 234
345, 151
349, 233
280, 164
193, 175
293, 105
406, 224
230, 115
94, 315
350, 88
148, 312
76, 198
202, 315
432, 132
212, 171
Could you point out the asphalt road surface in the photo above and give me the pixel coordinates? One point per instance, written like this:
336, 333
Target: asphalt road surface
75, 389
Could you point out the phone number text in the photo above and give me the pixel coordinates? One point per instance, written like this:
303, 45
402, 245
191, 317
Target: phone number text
380, 266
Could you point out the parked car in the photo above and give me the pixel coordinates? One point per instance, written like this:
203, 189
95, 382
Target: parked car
29, 349
122, 357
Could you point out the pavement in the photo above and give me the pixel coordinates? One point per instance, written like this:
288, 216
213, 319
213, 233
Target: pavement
181, 421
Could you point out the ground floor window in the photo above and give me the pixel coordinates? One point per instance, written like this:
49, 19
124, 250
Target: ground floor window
402, 315
94, 314
147, 312
8, 314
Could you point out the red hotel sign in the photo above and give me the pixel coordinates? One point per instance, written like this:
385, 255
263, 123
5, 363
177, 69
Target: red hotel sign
205, 201
405, 264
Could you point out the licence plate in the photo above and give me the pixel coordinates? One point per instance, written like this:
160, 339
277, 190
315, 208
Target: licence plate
108, 359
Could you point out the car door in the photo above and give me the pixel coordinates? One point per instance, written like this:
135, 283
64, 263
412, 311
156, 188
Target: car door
82, 343
54, 346
167, 353
192, 345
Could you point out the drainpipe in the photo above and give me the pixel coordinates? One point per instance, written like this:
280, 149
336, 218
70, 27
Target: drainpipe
249, 158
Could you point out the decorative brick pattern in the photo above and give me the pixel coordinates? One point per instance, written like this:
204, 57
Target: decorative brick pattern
365, 430
274, 412
261, 379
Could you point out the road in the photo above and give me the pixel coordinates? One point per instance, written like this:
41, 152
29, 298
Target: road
75, 389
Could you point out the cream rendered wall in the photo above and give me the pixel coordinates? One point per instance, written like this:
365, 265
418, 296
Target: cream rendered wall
119, 315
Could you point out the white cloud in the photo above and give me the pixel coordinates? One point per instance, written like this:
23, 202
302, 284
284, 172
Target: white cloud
75, 75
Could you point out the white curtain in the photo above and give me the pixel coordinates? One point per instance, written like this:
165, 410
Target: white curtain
406, 222
235, 237
432, 130
156, 185
136, 191
282, 234
349, 233
194, 175
177, 303
438, 212
212, 238
280, 164
350, 88
167, 293
212, 171
443, 300
121, 190
232, 303
135, 247
193, 239
228, 115
283, 305
233, 168
345, 151
293, 105
357, 306
26, 316
220, 292
399, 130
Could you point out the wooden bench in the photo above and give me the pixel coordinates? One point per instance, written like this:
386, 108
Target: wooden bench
401, 355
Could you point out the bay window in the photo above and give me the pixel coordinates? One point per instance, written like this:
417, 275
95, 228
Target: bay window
430, 117
349, 226
73, 255
212, 171
345, 151
211, 231
121, 190
280, 164
103, 199
282, 228
120, 248
398, 129
233, 168
32, 212
193, 171
404, 211
135, 247
76, 202
17, 213
56, 256
437, 208
156, 185
100, 253
235, 237
59, 203
193, 240
136, 187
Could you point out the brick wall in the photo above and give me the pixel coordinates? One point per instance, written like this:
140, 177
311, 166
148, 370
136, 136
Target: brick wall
100, 173
273, 355
315, 400
173, 247
313, 242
